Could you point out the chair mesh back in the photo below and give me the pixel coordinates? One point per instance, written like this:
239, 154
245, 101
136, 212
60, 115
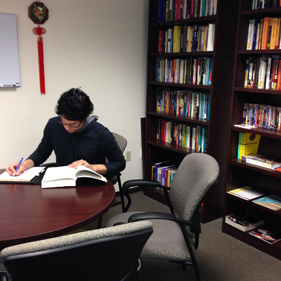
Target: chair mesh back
195, 175
121, 141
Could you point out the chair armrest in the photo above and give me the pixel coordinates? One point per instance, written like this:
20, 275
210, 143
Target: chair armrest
159, 216
132, 183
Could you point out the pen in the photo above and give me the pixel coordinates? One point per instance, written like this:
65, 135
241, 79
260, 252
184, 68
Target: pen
18, 166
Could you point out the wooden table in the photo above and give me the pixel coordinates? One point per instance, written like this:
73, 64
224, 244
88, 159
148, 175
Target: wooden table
29, 213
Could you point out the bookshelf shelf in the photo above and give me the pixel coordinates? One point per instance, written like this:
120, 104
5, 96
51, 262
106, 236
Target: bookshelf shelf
255, 168
259, 131
240, 174
171, 147
219, 91
182, 86
178, 118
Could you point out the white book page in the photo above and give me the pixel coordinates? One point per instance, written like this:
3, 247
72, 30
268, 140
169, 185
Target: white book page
27, 175
57, 173
84, 172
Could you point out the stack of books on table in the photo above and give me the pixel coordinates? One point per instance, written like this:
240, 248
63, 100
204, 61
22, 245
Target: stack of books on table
244, 221
261, 161
246, 193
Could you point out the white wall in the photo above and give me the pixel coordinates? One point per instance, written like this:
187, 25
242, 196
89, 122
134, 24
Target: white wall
98, 45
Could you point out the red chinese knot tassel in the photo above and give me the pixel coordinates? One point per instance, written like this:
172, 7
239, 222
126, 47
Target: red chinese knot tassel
39, 31
41, 64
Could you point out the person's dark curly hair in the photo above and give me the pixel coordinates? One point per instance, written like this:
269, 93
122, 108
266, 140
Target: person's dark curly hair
74, 105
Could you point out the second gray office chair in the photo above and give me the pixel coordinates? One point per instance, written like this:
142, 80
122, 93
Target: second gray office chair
109, 254
176, 236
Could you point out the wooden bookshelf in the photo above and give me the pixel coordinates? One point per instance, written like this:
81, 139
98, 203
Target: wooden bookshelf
241, 174
220, 97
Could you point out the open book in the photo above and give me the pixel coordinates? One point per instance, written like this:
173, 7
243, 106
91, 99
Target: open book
65, 176
25, 177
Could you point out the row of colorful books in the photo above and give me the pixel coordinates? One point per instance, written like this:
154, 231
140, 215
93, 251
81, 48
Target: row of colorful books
169, 10
262, 116
181, 134
263, 73
264, 34
163, 172
187, 39
183, 103
261, 4
193, 70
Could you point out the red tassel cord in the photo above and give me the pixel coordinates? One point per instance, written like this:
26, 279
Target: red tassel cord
40, 31
41, 64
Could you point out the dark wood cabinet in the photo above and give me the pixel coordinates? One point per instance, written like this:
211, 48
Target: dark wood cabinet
240, 174
220, 96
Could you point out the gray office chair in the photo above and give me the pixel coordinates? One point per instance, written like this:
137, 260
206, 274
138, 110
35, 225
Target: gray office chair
176, 236
122, 143
119, 198
110, 254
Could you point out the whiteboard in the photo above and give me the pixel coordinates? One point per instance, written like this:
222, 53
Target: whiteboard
9, 52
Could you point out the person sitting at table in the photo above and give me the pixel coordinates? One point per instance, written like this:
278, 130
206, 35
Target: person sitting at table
76, 138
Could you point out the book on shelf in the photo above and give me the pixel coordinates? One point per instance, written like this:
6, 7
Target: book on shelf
244, 221
65, 176
250, 37
170, 174
266, 234
262, 72
248, 144
246, 193
261, 161
266, 25
211, 37
271, 202
268, 74
28, 176
161, 11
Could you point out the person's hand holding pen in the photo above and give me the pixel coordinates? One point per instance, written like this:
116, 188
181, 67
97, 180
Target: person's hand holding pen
15, 169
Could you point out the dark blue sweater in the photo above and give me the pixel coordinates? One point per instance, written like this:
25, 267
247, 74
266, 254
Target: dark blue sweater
93, 144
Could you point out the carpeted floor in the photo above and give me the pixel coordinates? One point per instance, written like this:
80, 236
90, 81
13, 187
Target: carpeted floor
220, 257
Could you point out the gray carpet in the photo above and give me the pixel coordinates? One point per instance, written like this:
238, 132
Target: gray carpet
220, 257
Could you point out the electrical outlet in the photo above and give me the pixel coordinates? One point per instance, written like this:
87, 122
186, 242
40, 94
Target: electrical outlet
128, 156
